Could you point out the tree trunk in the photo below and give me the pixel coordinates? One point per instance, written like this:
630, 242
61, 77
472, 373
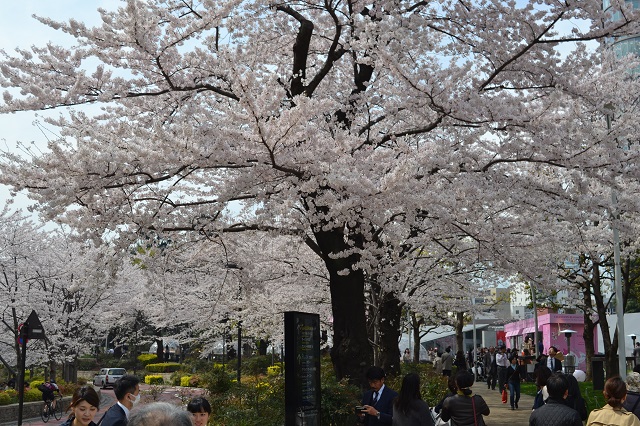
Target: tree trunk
459, 335
351, 353
415, 326
389, 329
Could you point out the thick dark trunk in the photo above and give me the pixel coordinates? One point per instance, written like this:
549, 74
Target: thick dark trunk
351, 353
389, 329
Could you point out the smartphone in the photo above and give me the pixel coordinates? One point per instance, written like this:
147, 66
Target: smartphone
359, 408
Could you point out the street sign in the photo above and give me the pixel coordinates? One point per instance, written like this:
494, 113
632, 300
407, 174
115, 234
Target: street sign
34, 327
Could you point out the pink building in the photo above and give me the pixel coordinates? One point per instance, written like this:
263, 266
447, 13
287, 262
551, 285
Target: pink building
550, 325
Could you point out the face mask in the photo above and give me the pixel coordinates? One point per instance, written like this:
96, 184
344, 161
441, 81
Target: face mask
136, 399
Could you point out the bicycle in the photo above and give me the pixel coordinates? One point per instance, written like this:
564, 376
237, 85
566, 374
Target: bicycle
48, 410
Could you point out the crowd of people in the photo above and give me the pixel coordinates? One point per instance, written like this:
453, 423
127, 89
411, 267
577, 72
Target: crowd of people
85, 404
558, 401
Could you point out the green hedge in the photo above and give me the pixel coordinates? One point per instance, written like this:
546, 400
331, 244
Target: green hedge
11, 396
153, 380
146, 359
163, 367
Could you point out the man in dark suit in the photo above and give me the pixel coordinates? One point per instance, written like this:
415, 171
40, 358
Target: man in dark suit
127, 391
378, 401
491, 368
553, 363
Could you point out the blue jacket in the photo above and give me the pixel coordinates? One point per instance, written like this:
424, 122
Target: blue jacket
114, 416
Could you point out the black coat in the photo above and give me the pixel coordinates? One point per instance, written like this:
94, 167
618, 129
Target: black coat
554, 413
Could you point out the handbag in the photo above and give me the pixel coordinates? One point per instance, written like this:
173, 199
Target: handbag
504, 396
437, 421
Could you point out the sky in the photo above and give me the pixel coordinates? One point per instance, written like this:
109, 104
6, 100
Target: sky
19, 28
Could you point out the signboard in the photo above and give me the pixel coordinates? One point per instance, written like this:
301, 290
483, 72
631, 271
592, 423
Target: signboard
302, 369
34, 327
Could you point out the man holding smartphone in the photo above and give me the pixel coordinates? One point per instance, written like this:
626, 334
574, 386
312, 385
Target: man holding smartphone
377, 403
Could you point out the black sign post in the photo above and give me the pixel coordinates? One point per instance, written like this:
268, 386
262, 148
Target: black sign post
302, 369
32, 329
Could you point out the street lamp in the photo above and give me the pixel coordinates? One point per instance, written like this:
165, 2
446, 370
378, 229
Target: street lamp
570, 364
633, 347
633, 339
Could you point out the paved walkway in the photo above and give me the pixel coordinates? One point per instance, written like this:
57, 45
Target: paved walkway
501, 414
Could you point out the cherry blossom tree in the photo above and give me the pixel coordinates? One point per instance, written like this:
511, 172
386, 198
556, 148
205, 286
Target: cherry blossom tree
371, 131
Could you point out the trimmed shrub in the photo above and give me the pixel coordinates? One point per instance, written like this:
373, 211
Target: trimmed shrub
153, 380
163, 367
32, 395
146, 359
184, 381
5, 398
274, 370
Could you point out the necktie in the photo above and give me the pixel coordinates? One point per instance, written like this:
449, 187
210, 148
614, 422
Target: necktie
375, 397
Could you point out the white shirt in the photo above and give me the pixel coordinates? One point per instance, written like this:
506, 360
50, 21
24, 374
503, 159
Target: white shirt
502, 360
125, 409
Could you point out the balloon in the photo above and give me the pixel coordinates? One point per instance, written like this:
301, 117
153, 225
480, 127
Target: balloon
580, 375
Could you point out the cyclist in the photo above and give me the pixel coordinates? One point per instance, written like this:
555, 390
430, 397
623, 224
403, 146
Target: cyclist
48, 389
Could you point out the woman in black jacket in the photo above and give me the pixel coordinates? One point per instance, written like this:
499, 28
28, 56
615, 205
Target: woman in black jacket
513, 382
464, 408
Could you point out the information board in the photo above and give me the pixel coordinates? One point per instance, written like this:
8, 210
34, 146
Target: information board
302, 369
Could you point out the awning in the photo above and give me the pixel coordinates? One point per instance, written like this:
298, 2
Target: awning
515, 332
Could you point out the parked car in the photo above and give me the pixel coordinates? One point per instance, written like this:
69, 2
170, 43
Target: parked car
108, 376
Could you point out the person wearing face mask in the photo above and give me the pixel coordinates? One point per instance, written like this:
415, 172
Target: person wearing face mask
127, 391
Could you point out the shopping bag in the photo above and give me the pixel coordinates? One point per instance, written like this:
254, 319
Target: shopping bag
504, 396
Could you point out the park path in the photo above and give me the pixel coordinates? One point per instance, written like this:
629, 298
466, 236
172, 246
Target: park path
502, 414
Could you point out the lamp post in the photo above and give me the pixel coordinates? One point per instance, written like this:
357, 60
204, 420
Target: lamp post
570, 359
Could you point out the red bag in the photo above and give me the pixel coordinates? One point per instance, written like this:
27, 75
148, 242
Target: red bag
504, 396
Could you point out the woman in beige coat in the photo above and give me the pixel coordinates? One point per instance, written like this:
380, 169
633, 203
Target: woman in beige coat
615, 392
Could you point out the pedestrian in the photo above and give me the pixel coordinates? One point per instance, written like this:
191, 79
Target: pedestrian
85, 403
127, 391
491, 368
636, 354
513, 382
555, 412
542, 374
160, 414
201, 410
378, 401
447, 362
553, 361
632, 402
464, 408
615, 392
406, 357
502, 363
409, 409
437, 364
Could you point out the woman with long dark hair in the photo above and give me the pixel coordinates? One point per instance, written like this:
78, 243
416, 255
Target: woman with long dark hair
408, 408
464, 408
